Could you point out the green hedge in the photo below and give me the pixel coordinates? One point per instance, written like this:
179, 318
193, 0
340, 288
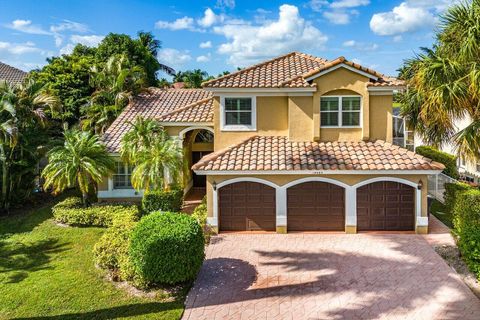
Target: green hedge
111, 251
163, 200
167, 248
448, 160
466, 221
71, 212
452, 190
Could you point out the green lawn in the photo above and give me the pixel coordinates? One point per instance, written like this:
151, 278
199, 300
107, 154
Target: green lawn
439, 211
46, 272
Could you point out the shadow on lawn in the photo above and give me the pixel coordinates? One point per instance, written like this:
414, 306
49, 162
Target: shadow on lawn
19, 259
119, 312
24, 222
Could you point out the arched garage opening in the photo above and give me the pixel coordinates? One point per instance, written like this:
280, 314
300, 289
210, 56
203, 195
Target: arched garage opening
316, 206
385, 206
247, 206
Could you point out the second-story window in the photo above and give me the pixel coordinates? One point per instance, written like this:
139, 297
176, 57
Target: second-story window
340, 111
238, 113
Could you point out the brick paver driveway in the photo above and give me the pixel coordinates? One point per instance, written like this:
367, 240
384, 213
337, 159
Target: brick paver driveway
327, 276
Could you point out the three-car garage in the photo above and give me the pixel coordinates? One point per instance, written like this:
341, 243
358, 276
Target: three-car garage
316, 206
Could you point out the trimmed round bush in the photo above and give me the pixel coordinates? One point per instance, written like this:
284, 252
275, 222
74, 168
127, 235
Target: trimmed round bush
167, 248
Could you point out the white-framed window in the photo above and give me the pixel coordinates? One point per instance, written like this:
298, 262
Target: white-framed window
238, 113
122, 176
341, 111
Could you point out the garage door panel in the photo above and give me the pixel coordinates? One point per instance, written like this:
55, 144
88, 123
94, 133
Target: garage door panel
315, 206
386, 206
247, 206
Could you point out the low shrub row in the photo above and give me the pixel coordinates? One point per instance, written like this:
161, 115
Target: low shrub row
448, 160
466, 221
71, 212
170, 200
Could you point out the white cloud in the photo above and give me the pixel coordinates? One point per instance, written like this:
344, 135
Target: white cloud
225, 4
18, 48
173, 57
209, 18
250, 43
205, 45
360, 46
87, 40
179, 24
398, 38
403, 18
337, 17
67, 25
204, 58
26, 26
340, 4
337, 12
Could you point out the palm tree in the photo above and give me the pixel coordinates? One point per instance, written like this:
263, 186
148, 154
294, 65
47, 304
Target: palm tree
153, 154
191, 78
82, 161
147, 40
444, 83
115, 86
22, 110
141, 136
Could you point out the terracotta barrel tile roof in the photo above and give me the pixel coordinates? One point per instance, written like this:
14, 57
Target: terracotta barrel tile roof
291, 71
164, 105
11, 74
280, 154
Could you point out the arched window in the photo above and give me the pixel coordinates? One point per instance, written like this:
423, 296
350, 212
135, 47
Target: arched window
204, 136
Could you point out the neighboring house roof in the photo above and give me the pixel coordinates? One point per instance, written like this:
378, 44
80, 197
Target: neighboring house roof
292, 70
279, 154
164, 105
11, 74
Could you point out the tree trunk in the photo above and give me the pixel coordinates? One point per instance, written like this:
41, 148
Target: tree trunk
85, 199
4, 201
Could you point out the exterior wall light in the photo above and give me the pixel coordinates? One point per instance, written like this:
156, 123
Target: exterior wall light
420, 184
214, 184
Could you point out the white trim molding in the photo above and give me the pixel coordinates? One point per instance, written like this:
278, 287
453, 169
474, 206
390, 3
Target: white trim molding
259, 91
346, 66
313, 172
181, 134
253, 112
181, 124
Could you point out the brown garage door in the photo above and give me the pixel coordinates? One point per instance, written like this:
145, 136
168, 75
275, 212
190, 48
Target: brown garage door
316, 206
386, 206
247, 206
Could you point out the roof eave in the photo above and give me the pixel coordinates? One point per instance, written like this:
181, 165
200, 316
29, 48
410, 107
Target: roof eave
314, 172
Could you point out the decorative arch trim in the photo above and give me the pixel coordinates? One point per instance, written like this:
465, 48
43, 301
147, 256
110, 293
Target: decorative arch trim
182, 133
316, 179
247, 179
381, 179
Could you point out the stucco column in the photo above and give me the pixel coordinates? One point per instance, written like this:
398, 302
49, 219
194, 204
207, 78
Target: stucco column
350, 210
421, 222
213, 221
281, 211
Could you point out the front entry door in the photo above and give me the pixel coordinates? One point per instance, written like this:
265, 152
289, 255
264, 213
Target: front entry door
199, 181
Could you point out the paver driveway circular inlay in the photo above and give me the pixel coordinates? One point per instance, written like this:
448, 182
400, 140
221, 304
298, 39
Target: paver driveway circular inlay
327, 276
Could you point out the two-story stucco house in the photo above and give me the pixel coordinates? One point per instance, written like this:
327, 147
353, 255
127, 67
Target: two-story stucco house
296, 143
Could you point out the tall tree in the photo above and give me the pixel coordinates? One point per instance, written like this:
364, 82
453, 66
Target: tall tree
157, 159
444, 82
81, 162
23, 119
191, 78
116, 85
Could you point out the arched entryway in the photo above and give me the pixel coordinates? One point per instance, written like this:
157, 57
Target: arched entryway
197, 143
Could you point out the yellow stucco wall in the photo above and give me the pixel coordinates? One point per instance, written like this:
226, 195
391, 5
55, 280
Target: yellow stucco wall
349, 179
300, 118
272, 120
103, 186
381, 118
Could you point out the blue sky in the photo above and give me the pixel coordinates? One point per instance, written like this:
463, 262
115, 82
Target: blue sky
217, 35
